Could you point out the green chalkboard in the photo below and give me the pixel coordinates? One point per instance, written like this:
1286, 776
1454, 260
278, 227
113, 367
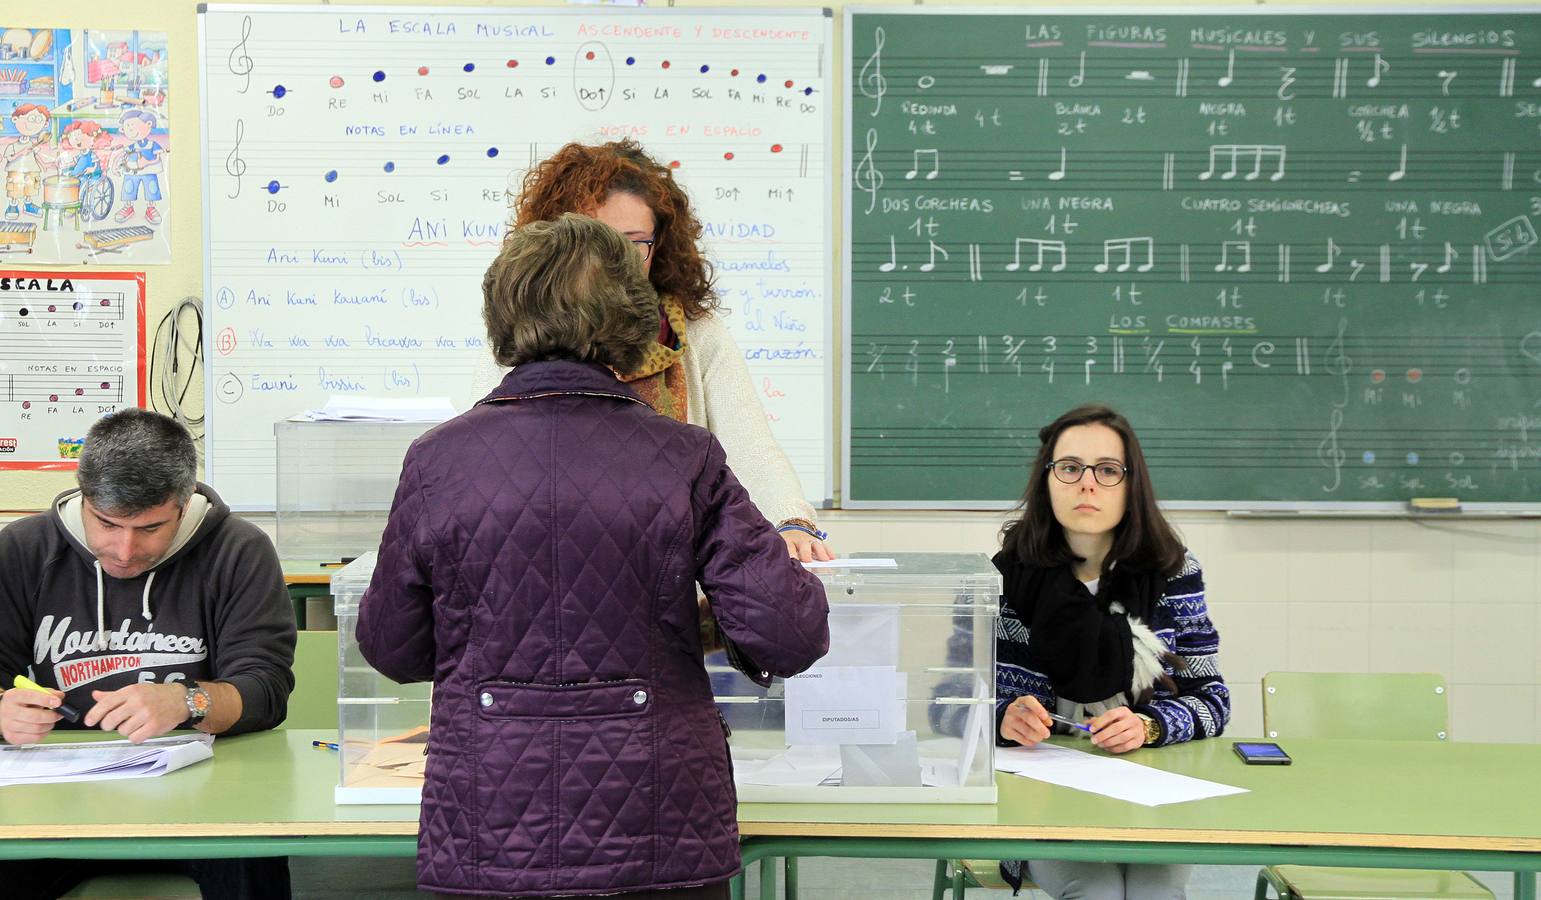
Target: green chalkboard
1297, 250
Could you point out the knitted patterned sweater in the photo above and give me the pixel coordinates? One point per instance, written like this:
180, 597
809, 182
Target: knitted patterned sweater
1202, 705
720, 397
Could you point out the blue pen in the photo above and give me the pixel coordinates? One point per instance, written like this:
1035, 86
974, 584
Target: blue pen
1071, 722
330, 745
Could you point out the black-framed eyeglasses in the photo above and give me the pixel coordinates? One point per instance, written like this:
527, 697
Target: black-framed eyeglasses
644, 246
1071, 471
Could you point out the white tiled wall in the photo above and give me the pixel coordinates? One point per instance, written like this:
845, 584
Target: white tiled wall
1333, 595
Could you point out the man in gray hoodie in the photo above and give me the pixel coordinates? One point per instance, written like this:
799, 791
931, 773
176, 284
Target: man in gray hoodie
140, 601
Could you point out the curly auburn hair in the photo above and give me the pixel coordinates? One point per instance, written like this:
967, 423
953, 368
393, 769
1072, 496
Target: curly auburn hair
579, 177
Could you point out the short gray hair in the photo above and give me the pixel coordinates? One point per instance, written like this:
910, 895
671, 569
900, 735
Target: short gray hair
569, 288
136, 459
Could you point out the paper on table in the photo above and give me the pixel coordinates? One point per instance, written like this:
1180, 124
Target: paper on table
844, 705
1117, 778
846, 562
380, 409
794, 767
101, 760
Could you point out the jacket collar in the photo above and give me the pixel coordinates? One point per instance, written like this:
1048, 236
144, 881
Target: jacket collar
559, 376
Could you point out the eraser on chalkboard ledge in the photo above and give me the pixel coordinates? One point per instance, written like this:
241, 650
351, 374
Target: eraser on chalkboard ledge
1435, 504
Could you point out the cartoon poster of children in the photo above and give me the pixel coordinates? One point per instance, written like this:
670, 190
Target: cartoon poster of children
84, 144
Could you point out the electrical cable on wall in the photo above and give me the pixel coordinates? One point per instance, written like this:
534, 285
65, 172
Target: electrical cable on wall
181, 328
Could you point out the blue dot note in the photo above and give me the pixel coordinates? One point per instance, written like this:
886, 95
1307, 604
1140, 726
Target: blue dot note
1369, 457
469, 67
78, 306
279, 91
1412, 458
444, 158
808, 92
705, 69
273, 186
390, 167
331, 176
551, 60
760, 78
631, 60
379, 75
492, 153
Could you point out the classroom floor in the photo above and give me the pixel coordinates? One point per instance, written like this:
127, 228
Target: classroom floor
819, 879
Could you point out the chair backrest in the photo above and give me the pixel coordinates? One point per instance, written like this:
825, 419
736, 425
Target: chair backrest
1388, 706
314, 701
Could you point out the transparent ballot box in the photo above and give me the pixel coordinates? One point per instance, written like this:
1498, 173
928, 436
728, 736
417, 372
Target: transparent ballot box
382, 728
901, 710
335, 482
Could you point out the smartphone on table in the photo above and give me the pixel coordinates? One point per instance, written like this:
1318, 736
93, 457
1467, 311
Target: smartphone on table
1261, 753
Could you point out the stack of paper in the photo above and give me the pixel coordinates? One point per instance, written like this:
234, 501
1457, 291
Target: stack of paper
380, 409
1104, 775
101, 760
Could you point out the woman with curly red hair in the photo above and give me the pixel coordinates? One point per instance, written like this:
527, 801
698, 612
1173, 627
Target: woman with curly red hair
695, 372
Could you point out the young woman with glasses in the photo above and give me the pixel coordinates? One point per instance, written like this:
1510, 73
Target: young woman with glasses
1103, 622
695, 372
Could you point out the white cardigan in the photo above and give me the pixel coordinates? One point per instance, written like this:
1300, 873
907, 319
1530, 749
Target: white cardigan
720, 397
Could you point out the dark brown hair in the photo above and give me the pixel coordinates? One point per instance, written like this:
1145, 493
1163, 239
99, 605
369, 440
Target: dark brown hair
1144, 540
580, 177
571, 288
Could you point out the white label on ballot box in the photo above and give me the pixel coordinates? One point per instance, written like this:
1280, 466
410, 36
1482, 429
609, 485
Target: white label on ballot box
845, 705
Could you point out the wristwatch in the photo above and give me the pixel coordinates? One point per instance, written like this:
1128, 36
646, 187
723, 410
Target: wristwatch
198, 702
1152, 729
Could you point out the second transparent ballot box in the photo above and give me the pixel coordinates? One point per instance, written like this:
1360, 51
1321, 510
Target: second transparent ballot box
382, 727
901, 710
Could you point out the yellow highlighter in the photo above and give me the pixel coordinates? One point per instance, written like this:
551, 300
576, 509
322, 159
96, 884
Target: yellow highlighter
63, 709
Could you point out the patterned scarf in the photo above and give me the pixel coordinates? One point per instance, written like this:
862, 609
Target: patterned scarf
660, 380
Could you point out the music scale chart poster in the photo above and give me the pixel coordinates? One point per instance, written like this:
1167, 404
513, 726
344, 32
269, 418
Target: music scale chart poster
84, 136
72, 349
360, 165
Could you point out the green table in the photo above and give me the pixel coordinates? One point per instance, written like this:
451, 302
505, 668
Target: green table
1359, 803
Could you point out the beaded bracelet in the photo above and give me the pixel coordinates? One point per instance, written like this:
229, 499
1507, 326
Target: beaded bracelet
792, 526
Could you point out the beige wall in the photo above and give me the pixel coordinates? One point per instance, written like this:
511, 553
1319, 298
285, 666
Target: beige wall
1324, 594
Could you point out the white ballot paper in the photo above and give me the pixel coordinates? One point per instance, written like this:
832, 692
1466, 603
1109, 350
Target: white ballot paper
101, 760
1117, 778
845, 705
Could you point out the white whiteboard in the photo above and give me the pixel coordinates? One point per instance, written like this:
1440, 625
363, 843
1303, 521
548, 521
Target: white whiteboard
357, 164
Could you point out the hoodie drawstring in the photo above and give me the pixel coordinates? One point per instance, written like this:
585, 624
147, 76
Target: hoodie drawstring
101, 614
145, 609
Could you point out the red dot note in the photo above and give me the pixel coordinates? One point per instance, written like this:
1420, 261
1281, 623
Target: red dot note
666, 64
26, 404
335, 81
53, 398
106, 302
674, 164
422, 70
513, 64
1377, 376
589, 55
52, 308
789, 84
1414, 375
80, 392
104, 385
734, 73
728, 155
775, 148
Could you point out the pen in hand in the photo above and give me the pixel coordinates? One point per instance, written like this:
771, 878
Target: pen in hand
1071, 722
70, 713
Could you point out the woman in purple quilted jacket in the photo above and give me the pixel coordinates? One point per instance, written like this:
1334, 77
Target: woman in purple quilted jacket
540, 567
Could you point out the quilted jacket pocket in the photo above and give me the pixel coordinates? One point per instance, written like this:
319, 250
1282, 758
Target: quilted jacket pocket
602, 700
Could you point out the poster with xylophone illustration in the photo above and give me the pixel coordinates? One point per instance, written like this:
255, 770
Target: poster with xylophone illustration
71, 351
84, 133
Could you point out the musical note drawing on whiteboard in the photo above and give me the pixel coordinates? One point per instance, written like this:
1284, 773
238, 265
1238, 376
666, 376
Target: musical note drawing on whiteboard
1079, 77
1059, 173
868, 178
1332, 254
1401, 171
1258, 152
936, 164
239, 61
1329, 453
1243, 249
1040, 246
1381, 67
935, 249
893, 257
235, 166
870, 80
1445, 77
1230, 70
1126, 246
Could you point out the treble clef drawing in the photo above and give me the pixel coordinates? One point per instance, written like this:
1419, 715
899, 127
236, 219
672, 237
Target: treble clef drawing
1330, 454
235, 166
870, 80
1338, 362
868, 178
240, 63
